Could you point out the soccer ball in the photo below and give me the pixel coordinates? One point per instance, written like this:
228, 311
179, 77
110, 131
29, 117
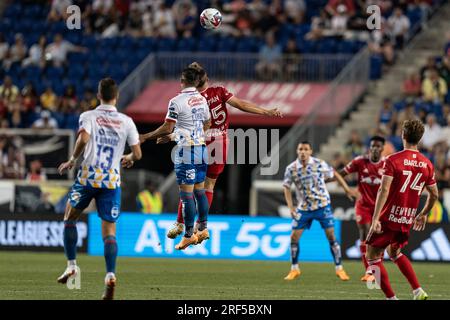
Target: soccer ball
210, 18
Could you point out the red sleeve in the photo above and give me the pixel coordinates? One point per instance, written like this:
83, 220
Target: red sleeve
226, 95
431, 177
388, 168
352, 166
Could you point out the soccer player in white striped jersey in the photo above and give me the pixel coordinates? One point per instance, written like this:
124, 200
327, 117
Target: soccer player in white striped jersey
102, 137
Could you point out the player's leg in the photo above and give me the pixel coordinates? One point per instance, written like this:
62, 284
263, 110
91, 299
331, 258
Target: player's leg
407, 270
79, 198
295, 251
110, 253
335, 250
210, 183
203, 210
376, 244
363, 230
108, 203
189, 213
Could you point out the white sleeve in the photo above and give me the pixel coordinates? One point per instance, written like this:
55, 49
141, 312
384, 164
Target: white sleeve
132, 133
287, 181
84, 123
327, 170
172, 112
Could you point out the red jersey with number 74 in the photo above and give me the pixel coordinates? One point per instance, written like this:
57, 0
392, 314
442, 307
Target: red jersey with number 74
217, 98
411, 172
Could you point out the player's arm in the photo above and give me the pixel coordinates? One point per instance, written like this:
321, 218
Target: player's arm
250, 107
421, 218
165, 129
80, 144
290, 202
135, 155
382, 196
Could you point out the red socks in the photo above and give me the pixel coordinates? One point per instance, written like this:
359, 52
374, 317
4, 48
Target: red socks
209, 195
406, 268
382, 275
363, 248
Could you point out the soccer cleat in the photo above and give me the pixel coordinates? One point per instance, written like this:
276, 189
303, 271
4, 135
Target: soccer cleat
293, 274
176, 230
367, 277
202, 235
69, 272
186, 242
341, 274
110, 284
421, 295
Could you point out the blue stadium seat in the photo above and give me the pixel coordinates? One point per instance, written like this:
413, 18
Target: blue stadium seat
207, 44
307, 46
186, 44
376, 66
148, 44
345, 46
165, 45
88, 41
127, 42
326, 46
76, 72
107, 43
226, 44
54, 72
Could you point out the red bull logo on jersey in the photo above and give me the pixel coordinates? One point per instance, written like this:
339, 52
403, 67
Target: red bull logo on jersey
105, 122
402, 214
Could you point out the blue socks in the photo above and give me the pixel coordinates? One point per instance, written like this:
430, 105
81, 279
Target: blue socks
189, 210
295, 250
203, 208
70, 238
336, 252
110, 253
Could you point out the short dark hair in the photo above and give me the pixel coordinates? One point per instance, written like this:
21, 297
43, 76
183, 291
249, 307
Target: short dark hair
413, 131
107, 89
378, 138
201, 72
306, 142
190, 76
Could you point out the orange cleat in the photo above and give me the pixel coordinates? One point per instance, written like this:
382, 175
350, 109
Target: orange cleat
186, 242
293, 274
367, 277
341, 274
202, 235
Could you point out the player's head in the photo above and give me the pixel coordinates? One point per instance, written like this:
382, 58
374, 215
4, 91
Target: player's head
201, 72
189, 78
376, 148
412, 132
304, 151
107, 91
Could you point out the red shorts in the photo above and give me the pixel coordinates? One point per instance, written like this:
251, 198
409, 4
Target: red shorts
363, 214
217, 151
397, 239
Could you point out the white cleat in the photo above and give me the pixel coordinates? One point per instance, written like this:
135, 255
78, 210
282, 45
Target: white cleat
110, 285
420, 294
68, 273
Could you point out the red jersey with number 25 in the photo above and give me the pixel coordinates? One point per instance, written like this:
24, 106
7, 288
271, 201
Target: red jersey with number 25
411, 172
217, 98
369, 180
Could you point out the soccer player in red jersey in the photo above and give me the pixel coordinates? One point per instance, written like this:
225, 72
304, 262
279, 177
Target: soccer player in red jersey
218, 97
369, 169
406, 174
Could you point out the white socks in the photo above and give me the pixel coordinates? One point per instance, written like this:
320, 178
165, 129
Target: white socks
295, 267
71, 263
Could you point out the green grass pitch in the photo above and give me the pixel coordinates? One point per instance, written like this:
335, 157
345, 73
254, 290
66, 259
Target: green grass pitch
25, 275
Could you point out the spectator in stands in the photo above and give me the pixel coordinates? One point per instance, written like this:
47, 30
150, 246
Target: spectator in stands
434, 88
46, 121
57, 51
185, 20
12, 158
9, 93
291, 60
445, 119
387, 118
134, 23
430, 65
339, 21
295, 10
332, 7
147, 22
58, 10
380, 42
339, 161
399, 26
412, 86
444, 70
36, 56
149, 200
270, 55
433, 133
354, 146
408, 113
319, 26
16, 116
68, 101
4, 48
49, 100
164, 22
103, 6
45, 206
36, 173
17, 52
29, 98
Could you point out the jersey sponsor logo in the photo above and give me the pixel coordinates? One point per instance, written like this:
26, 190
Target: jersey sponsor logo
75, 196
196, 101
173, 115
115, 212
190, 174
414, 163
109, 123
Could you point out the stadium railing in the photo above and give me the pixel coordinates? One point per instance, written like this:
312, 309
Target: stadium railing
230, 66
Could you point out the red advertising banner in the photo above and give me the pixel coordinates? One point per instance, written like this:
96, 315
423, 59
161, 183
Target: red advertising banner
295, 100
